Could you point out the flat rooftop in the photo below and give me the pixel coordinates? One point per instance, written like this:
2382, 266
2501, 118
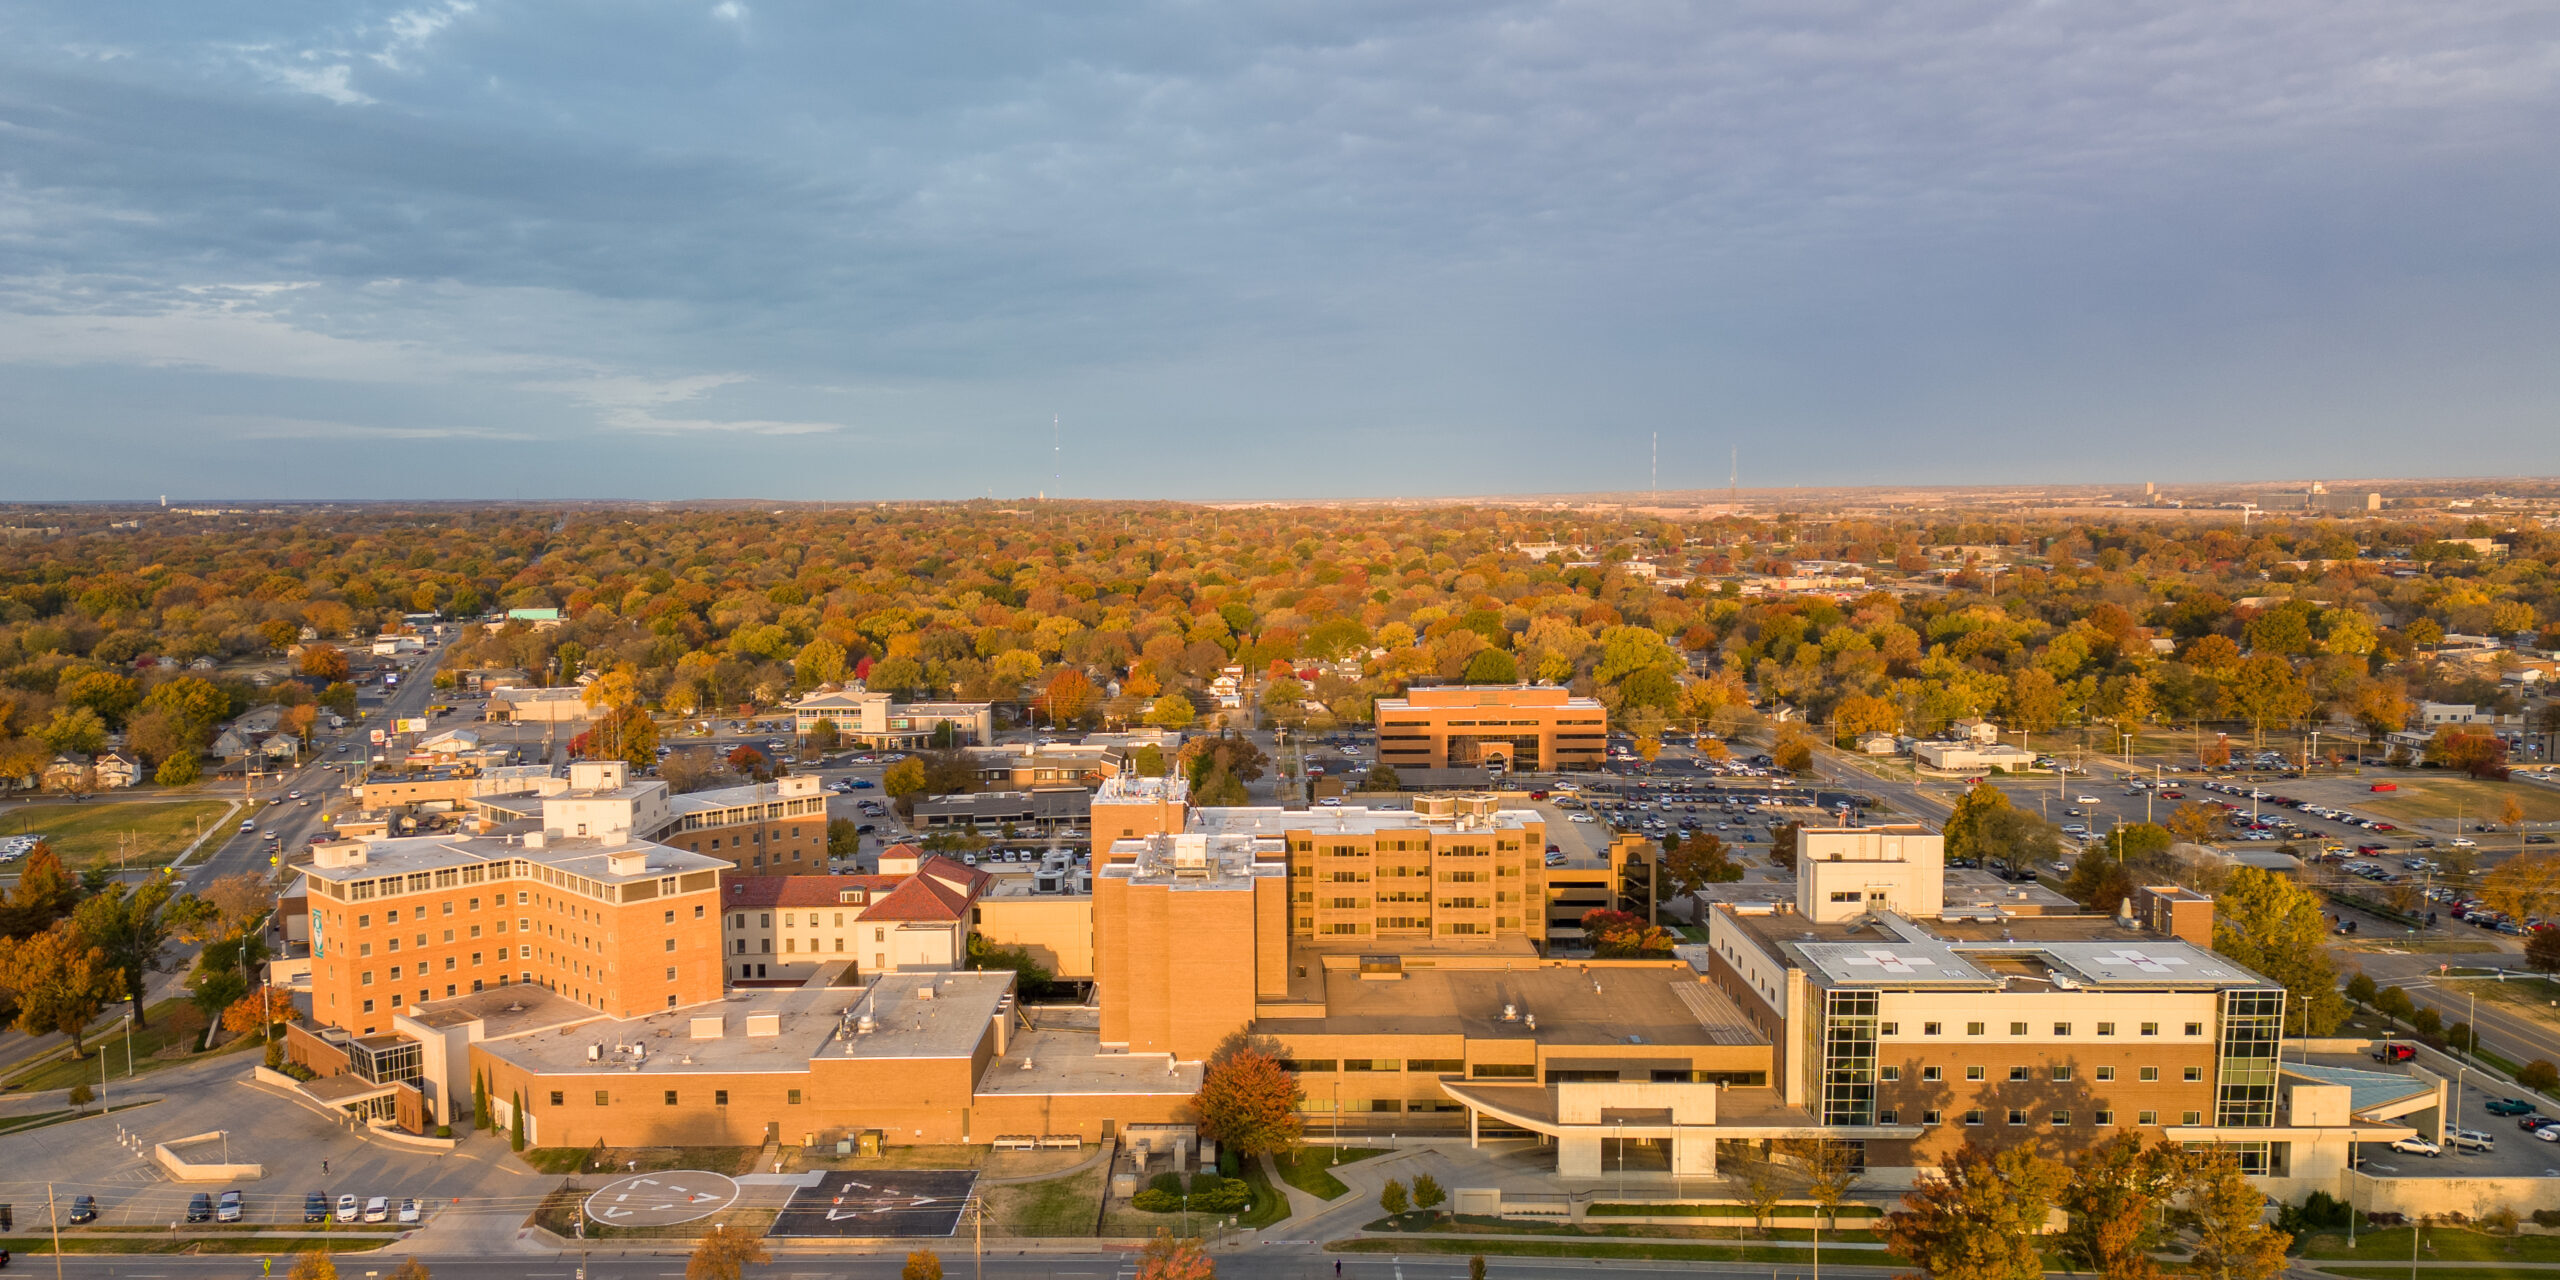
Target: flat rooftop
1072, 1062
811, 1023
586, 856
1194, 861
512, 1010
2060, 952
1271, 820
1650, 1005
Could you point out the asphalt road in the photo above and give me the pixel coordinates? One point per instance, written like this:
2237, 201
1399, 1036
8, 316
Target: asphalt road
956, 1262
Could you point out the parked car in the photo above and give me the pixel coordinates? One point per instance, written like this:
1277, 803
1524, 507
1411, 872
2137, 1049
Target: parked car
2395, 1051
200, 1208
229, 1207
315, 1207
2548, 1133
2417, 1147
408, 1211
84, 1208
2470, 1140
347, 1210
378, 1209
2531, 1123
2509, 1107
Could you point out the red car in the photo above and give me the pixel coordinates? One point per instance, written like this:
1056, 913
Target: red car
2386, 786
2173, 795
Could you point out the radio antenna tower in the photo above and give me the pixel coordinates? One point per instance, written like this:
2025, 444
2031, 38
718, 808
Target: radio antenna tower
1053, 451
1733, 481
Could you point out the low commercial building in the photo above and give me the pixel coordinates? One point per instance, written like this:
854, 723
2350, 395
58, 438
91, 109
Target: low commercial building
1971, 757
1045, 811
567, 705
1034, 766
866, 718
1525, 727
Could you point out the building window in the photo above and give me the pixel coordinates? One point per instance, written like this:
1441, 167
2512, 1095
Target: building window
1888, 1028
1932, 1117
2061, 1072
2106, 1074
2151, 1028
368, 1006
2195, 1075
671, 1097
2062, 1119
2191, 1118
2017, 1074
719, 1097
1889, 1075
2106, 1028
1973, 1028
1889, 1116
2017, 1115
2195, 1028
1977, 1073
671, 944
2150, 1075
556, 1098
1930, 1075
2102, 1118
1973, 1117
2018, 1029
2146, 1117
671, 973
795, 1097
1928, 1028
2061, 1030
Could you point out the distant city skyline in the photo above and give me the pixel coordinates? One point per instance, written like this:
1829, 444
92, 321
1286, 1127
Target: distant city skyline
466, 249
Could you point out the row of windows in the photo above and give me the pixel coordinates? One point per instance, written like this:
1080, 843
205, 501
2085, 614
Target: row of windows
2060, 1119
1443, 1066
364, 919
2194, 1030
2057, 1072
604, 1098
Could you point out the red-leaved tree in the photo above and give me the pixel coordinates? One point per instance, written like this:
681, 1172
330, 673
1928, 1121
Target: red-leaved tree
1248, 1099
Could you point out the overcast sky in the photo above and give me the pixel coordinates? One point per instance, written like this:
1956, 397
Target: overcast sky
857, 250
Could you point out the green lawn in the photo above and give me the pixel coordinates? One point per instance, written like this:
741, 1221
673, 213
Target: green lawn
2438, 1273
2443, 1244
62, 1071
1065, 1206
1309, 1169
621, 1160
137, 833
1848, 1212
2442, 796
1669, 1251
1270, 1204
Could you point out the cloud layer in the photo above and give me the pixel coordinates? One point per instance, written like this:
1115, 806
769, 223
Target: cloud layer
820, 251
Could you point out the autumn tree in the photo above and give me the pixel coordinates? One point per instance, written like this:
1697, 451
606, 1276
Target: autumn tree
60, 982
2117, 1189
1069, 697
313, 1264
258, 1010
1860, 714
1696, 861
1168, 1257
1967, 833
1623, 935
2233, 1241
2194, 823
2481, 755
1829, 1169
1981, 1218
45, 892
132, 927
2267, 922
723, 1252
2526, 886
2107, 873
1248, 1100
922, 1264
324, 662
1172, 711
1782, 844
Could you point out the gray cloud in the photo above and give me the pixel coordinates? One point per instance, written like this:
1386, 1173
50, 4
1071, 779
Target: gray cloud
806, 249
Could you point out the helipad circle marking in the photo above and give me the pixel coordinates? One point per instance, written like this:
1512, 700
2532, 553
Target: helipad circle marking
661, 1199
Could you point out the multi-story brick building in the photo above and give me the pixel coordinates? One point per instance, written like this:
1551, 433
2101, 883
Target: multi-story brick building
618, 925
776, 828
1523, 727
790, 927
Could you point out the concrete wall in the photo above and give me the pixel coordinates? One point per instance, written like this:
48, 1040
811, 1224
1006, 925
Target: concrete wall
1057, 931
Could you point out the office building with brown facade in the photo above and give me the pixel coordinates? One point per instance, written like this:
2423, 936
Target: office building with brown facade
1524, 728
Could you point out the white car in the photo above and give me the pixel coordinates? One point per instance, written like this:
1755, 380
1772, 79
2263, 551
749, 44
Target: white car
2417, 1147
378, 1209
2470, 1139
1581, 817
2084, 800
